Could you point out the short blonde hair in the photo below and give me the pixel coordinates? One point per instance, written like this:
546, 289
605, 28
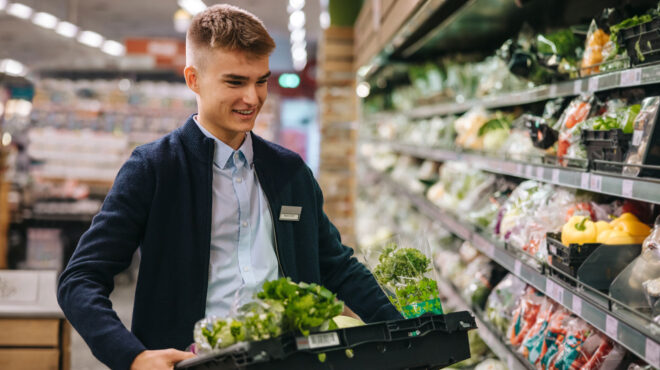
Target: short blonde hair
227, 27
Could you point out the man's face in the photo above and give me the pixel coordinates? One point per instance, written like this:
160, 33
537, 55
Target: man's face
232, 88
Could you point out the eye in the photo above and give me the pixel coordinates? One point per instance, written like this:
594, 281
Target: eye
234, 82
261, 82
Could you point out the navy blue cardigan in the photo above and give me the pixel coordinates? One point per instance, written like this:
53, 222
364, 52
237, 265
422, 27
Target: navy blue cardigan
161, 202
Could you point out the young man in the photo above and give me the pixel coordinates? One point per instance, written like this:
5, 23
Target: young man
209, 205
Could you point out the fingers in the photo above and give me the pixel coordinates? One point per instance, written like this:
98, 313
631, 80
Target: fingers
175, 356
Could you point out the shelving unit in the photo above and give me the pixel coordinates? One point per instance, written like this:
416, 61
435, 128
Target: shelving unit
639, 335
644, 189
493, 340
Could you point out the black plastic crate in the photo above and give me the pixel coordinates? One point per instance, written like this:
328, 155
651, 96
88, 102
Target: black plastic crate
426, 342
643, 38
572, 253
606, 145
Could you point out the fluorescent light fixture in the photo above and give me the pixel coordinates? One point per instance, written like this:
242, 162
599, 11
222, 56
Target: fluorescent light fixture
297, 19
19, 10
3, 4
324, 19
192, 6
298, 45
113, 48
362, 90
12, 67
299, 54
299, 65
45, 20
297, 4
90, 38
297, 36
66, 29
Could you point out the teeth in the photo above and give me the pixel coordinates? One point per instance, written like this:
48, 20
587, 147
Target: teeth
244, 111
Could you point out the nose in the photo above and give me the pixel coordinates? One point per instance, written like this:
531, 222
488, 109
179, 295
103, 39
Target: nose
251, 96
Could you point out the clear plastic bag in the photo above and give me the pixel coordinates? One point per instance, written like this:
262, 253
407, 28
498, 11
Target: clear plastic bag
571, 124
524, 316
403, 270
533, 344
502, 301
642, 132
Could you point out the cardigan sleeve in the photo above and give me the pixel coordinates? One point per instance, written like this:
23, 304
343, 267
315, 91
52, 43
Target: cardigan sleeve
342, 273
103, 251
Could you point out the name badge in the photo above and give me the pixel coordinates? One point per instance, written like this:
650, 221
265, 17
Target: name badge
290, 213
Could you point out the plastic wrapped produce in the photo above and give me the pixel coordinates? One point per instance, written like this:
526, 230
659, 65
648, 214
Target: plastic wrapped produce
404, 271
495, 132
502, 300
524, 316
642, 133
593, 51
533, 343
571, 125
543, 340
571, 354
467, 128
602, 354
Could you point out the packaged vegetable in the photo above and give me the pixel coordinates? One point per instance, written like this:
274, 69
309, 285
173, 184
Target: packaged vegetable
404, 272
502, 300
643, 128
571, 355
578, 230
593, 51
571, 125
524, 316
467, 128
602, 354
554, 337
533, 344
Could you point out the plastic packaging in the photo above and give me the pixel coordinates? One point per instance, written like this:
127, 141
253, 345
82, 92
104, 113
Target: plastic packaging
593, 51
403, 270
642, 140
467, 128
571, 124
502, 301
524, 316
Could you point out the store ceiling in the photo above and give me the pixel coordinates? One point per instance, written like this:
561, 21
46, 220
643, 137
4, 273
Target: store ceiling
42, 49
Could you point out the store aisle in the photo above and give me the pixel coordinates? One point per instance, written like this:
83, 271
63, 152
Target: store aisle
122, 302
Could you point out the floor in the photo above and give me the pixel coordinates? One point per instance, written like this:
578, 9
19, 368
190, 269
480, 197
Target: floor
122, 302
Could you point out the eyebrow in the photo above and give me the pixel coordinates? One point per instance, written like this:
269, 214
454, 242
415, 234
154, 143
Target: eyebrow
232, 76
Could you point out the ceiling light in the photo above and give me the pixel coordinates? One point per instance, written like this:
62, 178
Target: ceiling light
298, 45
3, 4
299, 54
362, 90
181, 20
19, 10
6, 139
45, 20
289, 80
324, 19
113, 48
192, 6
297, 36
90, 38
297, 4
299, 65
297, 19
66, 29
12, 67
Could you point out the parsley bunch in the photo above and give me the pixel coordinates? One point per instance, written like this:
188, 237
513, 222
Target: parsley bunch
307, 307
396, 265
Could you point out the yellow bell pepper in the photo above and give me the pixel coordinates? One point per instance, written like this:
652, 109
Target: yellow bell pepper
578, 230
634, 228
623, 218
602, 226
617, 236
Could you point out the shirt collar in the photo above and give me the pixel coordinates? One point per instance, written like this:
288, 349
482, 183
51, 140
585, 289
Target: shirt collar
223, 152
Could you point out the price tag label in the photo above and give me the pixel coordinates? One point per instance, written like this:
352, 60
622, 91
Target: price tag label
593, 84
652, 353
517, 267
584, 181
638, 135
611, 327
539, 173
520, 169
552, 91
555, 176
596, 183
529, 170
577, 87
577, 305
631, 77
627, 188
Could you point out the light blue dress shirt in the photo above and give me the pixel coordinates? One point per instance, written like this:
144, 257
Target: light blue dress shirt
242, 234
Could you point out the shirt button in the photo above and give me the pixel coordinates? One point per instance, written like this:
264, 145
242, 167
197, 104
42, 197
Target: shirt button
245, 223
239, 180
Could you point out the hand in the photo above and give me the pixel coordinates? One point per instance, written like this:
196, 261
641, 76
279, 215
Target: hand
161, 359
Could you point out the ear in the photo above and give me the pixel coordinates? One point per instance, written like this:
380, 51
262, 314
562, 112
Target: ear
192, 78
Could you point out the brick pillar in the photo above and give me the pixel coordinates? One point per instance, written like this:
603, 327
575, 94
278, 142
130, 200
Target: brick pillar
338, 123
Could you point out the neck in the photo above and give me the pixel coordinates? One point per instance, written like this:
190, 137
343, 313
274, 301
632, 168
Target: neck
231, 138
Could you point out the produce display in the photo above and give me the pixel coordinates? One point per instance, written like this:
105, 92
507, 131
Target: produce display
281, 306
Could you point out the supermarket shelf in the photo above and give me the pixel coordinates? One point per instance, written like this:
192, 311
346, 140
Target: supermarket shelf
646, 75
647, 190
639, 336
491, 337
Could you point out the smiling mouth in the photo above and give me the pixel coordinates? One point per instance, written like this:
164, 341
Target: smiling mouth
244, 112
